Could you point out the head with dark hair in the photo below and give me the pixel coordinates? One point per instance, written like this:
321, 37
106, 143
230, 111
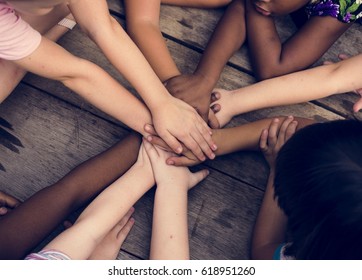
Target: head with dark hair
318, 184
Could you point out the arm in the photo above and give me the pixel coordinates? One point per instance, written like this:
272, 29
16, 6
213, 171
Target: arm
227, 38
170, 229
271, 224
240, 138
67, 195
174, 120
197, 3
293, 88
298, 52
80, 240
143, 27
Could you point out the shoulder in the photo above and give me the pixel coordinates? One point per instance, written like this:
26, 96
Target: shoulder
346, 11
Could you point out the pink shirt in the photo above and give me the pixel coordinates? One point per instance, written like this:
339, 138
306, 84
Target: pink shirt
17, 38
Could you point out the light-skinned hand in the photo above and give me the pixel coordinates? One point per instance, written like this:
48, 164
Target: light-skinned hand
168, 175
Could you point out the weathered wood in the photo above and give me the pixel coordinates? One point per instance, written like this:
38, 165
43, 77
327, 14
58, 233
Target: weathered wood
193, 27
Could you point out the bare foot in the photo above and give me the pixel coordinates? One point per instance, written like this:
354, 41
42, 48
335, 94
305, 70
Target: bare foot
221, 105
109, 247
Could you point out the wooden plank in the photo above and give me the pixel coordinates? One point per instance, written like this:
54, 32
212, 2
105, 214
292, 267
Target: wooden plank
194, 27
57, 136
231, 78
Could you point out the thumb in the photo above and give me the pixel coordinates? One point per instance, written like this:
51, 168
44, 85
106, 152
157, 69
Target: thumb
197, 177
358, 105
213, 122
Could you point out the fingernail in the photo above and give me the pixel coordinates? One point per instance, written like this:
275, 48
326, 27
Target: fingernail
212, 156
214, 147
170, 162
149, 138
179, 150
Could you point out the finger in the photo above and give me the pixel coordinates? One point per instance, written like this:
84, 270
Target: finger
273, 132
343, 56
263, 143
213, 122
10, 201
205, 141
194, 146
327, 62
150, 129
3, 211
151, 151
123, 233
126, 217
358, 105
198, 177
157, 141
173, 143
292, 127
181, 161
215, 95
283, 129
215, 107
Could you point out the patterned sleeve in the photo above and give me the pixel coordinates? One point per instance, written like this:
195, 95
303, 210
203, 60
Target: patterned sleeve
346, 11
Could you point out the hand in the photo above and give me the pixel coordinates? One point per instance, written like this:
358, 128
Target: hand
273, 138
7, 203
187, 158
195, 90
358, 104
221, 105
176, 121
143, 163
169, 176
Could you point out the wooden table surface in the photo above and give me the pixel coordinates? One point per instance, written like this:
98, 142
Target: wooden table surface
46, 130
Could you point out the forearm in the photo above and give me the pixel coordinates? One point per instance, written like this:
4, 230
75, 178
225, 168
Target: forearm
227, 38
246, 136
79, 241
170, 229
270, 226
130, 62
303, 86
38, 218
143, 27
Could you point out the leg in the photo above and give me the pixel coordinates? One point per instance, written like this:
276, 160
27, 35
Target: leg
41, 213
11, 74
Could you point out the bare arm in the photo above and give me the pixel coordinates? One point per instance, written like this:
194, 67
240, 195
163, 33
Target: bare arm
240, 138
143, 27
311, 84
174, 120
80, 240
227, 38
305, 47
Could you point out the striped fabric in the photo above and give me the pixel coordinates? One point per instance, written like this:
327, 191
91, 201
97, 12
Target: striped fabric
48, 255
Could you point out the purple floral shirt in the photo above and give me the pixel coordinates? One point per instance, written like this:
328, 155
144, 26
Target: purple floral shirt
346, 11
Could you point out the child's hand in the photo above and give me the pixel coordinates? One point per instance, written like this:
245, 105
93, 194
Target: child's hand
194, 90
187, 158
7, 202
222, 105
176, 121
273, 138
358, 104
171, 176
143, 163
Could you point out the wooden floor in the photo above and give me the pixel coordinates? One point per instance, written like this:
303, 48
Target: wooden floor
45, 130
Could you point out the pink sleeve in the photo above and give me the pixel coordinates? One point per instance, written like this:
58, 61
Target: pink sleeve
17, 38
